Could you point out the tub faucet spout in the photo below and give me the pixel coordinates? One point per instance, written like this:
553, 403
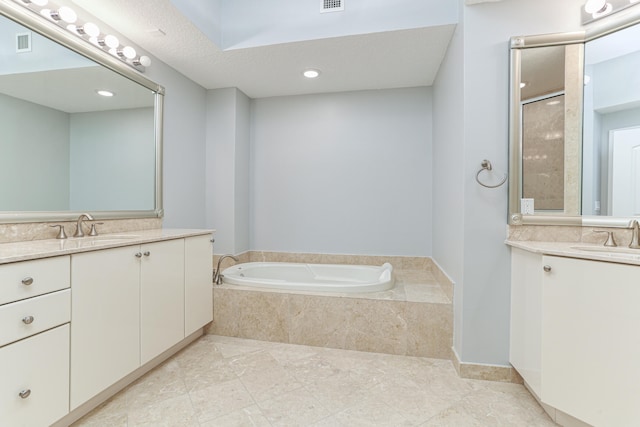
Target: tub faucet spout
217, 275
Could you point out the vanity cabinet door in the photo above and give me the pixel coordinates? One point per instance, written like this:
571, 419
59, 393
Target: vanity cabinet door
34, 379
198, 282
105, 320
525, 353
161, 297
590, 343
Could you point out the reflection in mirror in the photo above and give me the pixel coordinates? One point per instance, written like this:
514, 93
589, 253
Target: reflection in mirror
612, 125
542, 112
548, 134
543, 151
64, 147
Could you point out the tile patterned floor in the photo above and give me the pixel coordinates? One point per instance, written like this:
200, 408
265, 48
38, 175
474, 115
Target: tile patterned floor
221, 381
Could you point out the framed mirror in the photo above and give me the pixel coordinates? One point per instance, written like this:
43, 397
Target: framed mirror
574, 114
66, 148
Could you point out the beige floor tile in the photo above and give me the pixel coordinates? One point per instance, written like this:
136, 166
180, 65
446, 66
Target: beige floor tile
250, 416
164, 382
273, 384
296, 408
372, 412
220, 399
95, 419
174, 412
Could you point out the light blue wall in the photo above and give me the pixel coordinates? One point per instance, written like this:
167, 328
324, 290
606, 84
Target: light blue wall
482, 294
112, 160
184, 147
448, 167
343, 173
44, 178
228, 151
616, 83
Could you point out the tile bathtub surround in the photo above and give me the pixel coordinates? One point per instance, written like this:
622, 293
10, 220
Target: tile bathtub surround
414, 318
398, 262
21, 232
222, 381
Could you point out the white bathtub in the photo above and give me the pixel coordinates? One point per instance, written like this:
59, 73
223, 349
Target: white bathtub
311, 277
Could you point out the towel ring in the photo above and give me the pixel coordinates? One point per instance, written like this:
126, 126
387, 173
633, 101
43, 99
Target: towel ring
486, 165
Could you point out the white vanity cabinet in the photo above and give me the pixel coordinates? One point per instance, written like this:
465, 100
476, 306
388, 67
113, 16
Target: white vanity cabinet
525, 344
161, 297
128, 307
80, 325
574, 335
198, 291
34, 341
591, 340
105, 328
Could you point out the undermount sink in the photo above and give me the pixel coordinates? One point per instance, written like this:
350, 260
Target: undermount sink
608, 250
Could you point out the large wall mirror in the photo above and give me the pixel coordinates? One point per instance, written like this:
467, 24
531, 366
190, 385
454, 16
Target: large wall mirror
65, 148
575, 125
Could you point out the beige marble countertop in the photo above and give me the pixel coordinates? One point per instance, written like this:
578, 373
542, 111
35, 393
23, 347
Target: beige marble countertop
34, 249
590, 251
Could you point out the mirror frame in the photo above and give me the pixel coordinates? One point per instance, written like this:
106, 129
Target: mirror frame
600, 28
32, 21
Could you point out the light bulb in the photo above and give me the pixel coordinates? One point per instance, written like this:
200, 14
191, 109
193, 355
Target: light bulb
128, 52
593, 6
67, 14
106, 93
111, 41
311, 74
89, 29
145, 61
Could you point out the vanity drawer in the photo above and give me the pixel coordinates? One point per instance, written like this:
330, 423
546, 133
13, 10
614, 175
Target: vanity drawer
28, 317
28, 279
34, 385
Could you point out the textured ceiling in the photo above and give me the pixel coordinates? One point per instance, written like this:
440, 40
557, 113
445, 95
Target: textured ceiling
402, 58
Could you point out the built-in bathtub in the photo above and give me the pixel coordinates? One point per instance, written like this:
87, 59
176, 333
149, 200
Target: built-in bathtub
311, 277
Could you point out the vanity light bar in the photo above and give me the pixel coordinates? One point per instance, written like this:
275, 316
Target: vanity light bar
66, 18
596, 9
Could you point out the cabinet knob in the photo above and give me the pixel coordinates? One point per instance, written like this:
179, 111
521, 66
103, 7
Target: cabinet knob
547, 268
147, 253
25, 393
27, 320
27, 281
138, 255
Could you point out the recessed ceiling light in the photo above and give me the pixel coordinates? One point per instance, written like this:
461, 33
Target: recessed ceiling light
311, 73
102, 92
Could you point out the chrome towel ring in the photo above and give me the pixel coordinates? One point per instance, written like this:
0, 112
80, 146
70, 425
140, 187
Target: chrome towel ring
486, 165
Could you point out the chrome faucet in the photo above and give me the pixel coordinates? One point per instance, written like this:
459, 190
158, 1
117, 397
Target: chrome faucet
217, 276
634, 236
79, 232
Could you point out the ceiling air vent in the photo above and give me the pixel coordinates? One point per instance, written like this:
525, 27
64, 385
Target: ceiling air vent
23, 42
331, 6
